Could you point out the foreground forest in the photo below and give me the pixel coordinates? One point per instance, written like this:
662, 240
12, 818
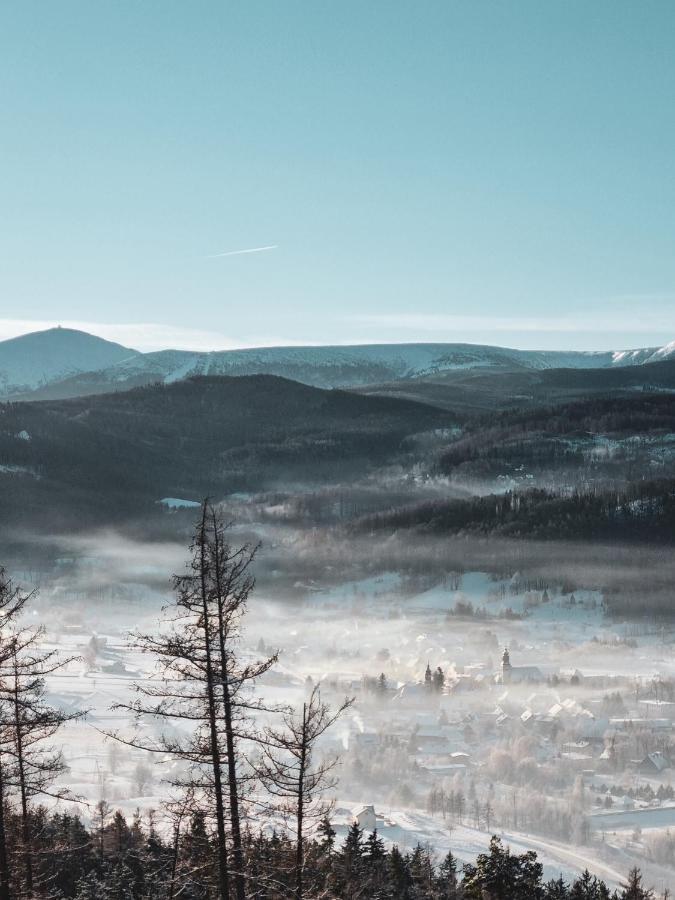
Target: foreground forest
119, 860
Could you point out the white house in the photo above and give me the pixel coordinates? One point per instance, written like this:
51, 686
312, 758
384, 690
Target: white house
365, 817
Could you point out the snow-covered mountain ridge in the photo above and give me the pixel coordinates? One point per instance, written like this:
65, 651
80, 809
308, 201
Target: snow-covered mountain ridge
647, 355
62, 362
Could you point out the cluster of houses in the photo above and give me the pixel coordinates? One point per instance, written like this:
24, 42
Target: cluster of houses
449, 731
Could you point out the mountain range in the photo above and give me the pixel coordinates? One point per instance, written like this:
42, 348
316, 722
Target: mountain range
60, 363
95, 433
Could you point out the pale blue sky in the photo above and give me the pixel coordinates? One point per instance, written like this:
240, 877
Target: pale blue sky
497, 172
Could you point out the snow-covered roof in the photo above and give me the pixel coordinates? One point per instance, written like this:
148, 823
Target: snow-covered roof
658, 760
361, 810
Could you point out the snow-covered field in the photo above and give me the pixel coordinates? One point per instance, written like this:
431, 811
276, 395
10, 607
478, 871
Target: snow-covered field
408, 828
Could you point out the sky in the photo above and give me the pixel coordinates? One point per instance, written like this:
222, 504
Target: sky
395, 171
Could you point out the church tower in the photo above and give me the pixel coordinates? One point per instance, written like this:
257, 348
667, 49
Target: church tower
427, 677
506, 667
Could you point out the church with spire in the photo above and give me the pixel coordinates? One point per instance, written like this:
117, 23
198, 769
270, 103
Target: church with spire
517, 674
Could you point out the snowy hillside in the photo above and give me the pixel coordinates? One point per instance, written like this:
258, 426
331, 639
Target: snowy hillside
42, 357
348, 366
64, 363
646, 355
329, 366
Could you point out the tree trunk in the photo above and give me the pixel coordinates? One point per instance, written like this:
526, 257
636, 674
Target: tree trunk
300, 813
235, 823
223, 878
174, 861
25, 824
5, 893
232, 777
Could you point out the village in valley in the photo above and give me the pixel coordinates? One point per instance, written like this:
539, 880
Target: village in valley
481, 706
505, 705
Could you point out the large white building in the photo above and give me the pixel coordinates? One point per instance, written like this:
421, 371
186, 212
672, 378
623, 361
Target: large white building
518, 674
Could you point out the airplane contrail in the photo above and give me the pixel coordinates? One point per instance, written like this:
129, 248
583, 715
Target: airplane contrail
239, 252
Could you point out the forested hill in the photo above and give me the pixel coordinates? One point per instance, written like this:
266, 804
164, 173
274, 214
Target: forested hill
472, 391
66, 463
606, 441
601, 469
637, 413
643, 513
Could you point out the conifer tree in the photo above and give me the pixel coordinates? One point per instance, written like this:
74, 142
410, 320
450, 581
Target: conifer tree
446, 878
399, 873
327, 836
351, 858
634, 889
502, 875
557, 890
374, 847
585, 887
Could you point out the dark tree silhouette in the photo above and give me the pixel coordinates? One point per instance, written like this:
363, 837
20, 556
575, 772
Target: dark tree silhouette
204, 682
293, 775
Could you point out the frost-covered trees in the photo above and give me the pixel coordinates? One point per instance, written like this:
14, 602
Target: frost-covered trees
502, 875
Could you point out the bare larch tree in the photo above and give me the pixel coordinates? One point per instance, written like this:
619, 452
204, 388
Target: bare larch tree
28, 763
29, 723
203, 681
293, 774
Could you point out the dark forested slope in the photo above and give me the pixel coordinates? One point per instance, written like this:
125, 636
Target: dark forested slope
645, 513
604, 441
479, 390
601, 469
65, 462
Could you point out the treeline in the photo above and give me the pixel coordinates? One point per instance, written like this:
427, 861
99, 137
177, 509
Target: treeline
115, 859
644, 511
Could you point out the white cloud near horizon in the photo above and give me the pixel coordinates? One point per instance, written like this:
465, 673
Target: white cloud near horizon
145, 336
623, 322
630, 326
